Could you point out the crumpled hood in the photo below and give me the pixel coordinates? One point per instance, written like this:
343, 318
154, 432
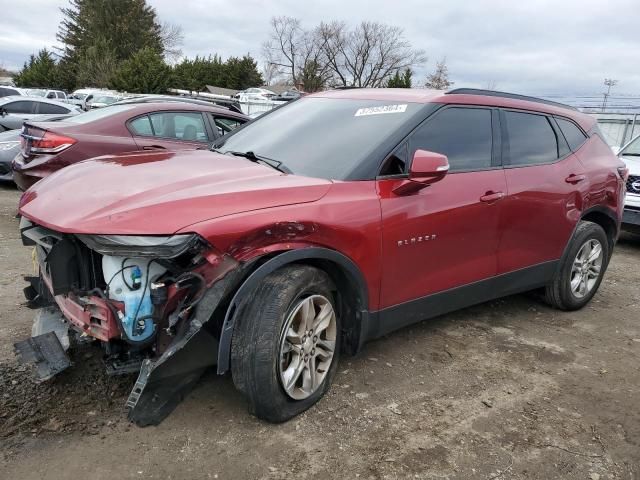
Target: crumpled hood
160, 192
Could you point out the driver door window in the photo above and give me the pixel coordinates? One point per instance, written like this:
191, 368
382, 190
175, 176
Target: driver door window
185, 126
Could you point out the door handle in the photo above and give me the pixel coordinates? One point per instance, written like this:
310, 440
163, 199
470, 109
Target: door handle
153, 147
491, 196
573, 178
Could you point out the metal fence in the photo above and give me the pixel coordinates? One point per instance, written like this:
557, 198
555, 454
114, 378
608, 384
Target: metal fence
618, 128
255, 108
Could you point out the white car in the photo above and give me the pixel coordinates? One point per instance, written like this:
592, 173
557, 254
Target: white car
14, 110
630, 154
50, 94
254, 95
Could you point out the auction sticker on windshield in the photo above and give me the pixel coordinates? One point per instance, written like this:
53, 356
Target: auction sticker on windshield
361, 112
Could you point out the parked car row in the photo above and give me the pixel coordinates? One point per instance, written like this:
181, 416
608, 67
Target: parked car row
327, 222
50, 146
15, 110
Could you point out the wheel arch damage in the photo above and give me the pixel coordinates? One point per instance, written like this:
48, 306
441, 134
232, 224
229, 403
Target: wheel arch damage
206, 340
350, 284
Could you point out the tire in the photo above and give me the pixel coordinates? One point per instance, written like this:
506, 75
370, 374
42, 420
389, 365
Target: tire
259, 365
561, 293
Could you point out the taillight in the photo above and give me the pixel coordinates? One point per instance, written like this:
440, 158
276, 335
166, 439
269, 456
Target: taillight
51, 143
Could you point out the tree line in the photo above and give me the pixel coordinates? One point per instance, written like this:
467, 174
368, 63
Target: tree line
121, 44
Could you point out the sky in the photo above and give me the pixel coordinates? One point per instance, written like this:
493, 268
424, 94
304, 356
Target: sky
535, 47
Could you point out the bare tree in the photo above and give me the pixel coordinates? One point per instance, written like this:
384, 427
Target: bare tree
172, 39
283, 48
492, 85
370, 54
271, 73
439, 79
331, 53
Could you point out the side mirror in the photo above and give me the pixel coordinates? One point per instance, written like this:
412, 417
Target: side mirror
3, 112
426, 168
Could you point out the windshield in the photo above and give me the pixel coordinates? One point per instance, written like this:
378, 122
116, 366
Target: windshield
633, 149
97, 114
36, 92
322, 137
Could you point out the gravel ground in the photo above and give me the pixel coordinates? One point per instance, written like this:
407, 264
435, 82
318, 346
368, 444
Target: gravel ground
507, 389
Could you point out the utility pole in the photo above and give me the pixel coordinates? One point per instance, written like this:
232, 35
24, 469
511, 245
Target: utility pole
609, 82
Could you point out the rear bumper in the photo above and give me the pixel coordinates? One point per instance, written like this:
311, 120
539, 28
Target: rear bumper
24, 178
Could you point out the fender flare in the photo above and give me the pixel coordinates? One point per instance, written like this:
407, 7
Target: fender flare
599, 209
282, 259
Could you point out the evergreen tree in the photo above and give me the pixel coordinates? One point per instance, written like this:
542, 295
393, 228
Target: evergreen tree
39, 71
242, 73
401, 81
144, 72
197, 73
96, 65
125, 25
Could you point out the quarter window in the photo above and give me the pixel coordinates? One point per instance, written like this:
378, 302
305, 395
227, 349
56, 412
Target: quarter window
141, 126
572, 133
464, 135
531, 139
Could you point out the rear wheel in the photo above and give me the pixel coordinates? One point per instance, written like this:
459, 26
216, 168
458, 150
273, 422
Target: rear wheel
285, 345
582, 269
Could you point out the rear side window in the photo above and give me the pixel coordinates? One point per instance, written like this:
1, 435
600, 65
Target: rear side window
19, 107
530, 139
48, 108
185, 126
572, 133
462, 134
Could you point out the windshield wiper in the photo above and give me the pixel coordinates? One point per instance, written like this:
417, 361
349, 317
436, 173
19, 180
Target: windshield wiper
259, 159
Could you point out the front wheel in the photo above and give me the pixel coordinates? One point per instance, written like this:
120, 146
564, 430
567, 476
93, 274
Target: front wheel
285, 345
581, 270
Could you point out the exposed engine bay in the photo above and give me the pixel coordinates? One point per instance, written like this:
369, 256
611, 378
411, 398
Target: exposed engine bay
144, 298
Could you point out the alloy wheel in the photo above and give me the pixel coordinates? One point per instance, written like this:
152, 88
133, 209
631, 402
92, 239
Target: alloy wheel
586, 268
307, 346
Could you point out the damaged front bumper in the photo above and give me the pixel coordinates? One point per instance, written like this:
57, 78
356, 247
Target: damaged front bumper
185, 340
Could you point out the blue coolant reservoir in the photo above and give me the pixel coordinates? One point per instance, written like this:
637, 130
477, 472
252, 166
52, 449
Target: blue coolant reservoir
128, 286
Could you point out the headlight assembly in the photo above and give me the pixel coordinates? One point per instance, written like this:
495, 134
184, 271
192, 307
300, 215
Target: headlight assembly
170, 246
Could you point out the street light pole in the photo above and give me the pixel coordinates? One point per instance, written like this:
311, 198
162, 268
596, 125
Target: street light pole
609, 82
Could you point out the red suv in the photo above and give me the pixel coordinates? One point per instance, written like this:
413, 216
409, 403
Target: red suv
50, 146
328, 222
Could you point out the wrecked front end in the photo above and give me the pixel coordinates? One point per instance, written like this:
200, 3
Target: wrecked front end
155, 304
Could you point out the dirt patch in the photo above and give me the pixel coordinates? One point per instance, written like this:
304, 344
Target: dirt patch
81, 399
506, 390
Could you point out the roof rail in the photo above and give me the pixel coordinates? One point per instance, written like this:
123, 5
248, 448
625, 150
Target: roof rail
513, 96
